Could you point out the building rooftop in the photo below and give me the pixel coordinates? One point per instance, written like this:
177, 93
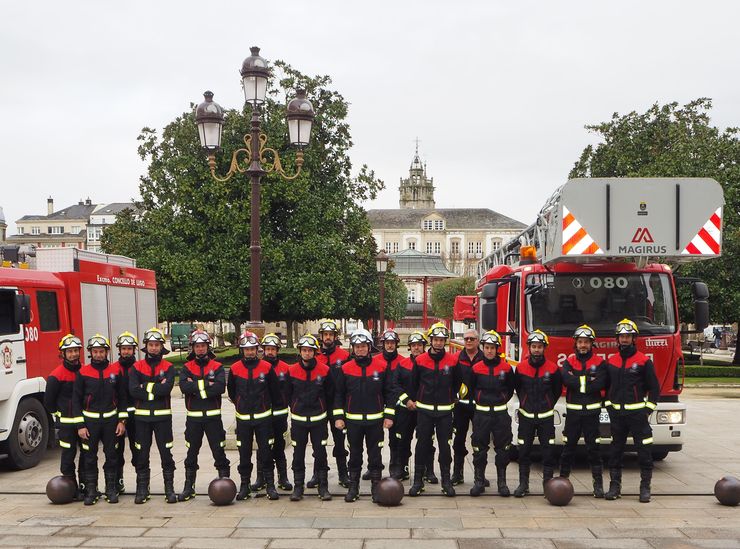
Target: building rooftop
415, 264
113, 208
455, 218
78, 211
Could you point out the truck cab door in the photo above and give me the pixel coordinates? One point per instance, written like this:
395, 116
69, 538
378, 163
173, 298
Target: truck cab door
12, 341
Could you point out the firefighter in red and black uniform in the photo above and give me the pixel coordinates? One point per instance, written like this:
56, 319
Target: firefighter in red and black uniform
465, 407
150, 385
311, 393
390, 358
405, 422
491, 387
632, 395
202, 382
363, 404
436, 381
538, 385
126, 345
281, 404
584, 376
334, 356
251, 387
58, 399
100, 398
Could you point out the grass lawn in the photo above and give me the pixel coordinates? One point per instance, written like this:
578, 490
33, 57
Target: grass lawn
718, 380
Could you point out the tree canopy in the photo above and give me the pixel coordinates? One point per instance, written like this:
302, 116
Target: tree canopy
445, 292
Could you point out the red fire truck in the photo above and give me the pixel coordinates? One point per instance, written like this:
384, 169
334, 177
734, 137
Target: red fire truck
69, 290
602, 250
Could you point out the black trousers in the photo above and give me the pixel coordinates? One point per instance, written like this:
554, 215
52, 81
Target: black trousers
162, 432
318, 432
463, 415
105, 432
371, 434
544, 429
485, 426
577, 424
130, 434
70, 441
339, 436
405, 424
246, 433
636, 424
426, 425
213, 429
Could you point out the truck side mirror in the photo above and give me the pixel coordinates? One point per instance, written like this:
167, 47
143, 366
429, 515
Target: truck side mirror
489, 291
22, 309
701, 305
700, 290
488, 315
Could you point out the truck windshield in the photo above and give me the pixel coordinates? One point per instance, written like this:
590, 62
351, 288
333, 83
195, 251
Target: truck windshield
559, 303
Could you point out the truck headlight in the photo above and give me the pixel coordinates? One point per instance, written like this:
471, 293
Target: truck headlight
670, 416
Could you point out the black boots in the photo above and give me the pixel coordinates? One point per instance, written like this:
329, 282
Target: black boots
479, 482
503, 489
91, 490
457, 471
342, 473
119, 481
429, 475
547, 474
447, 488
598, 482
259, 482
111, 487
188, 491
142, 487
523, 488
244, 488
353, 493
298, 477
283, 482
324, 494
615, 485
417, 487
270, 484
645, 478
169, 486
366, 475
80, 493
375, 480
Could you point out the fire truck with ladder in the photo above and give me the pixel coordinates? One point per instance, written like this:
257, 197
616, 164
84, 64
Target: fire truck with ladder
603, 249
68, 291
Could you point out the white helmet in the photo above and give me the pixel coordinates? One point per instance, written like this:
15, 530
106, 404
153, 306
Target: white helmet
361, 336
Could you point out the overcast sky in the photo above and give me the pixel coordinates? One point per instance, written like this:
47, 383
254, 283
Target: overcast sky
497, 92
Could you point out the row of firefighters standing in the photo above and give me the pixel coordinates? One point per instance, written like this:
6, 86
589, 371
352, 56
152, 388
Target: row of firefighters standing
429, 393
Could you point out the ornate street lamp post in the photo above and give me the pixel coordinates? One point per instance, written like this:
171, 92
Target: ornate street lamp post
381, 263
251, 159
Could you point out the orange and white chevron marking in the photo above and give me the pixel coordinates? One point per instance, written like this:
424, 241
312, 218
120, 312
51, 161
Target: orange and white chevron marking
576, 241
707, 240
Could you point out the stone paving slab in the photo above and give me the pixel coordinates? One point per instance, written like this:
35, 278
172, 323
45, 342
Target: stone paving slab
552, 533
222, 543
691, 543
317, 543
624, 543
411, 544
366, 533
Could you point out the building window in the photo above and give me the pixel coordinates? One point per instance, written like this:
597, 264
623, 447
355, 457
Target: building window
429, 247
428, 224
439, 225
412, 295
93, 233
434, 248
411, 244
479, 247
55, 229
75, 229
395, 247
455, 247
387, 247
20, 230
35, 230
434, 225
495, 244
471, 247
48, 311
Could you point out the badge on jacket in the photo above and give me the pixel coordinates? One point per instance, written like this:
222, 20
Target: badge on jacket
376, 376
261, 377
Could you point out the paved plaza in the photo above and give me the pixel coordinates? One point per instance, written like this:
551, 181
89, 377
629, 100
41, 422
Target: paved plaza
683, 512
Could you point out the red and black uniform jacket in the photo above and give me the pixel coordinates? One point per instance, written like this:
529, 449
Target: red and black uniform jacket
436, 380
150, 384
491, 384
126, 364
465, 363
281, 399
311, 390
99, 394
538, 388
403, 380
202, 382
632, 385
364, 391
60, 393
251, 387
584, 377
333, 356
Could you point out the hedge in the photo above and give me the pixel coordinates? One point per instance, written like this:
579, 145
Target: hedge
713, 371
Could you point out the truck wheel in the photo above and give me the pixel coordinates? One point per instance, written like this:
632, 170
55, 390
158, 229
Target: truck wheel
660, 455
30, 435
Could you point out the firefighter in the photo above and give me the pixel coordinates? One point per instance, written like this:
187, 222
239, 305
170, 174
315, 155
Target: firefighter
100, 399
126, 343
390, 358
538, 385
435, 383
465, 407
271, 345
405, 422
150, 385
491, 387
311, 392
584, 376
251, 387
632, 395
363, 404
333, 356
202, 382
58, 399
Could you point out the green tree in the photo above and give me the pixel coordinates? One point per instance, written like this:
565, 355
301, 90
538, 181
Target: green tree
679, 141
396, 297
445, 292
318, 254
